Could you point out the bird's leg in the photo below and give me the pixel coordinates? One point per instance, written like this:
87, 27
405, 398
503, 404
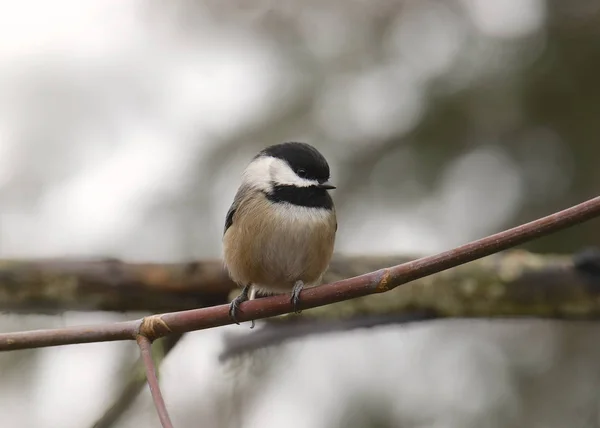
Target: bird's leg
234, 306
298, 286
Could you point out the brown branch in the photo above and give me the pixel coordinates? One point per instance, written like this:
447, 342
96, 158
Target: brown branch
56, 285
133, 386
156, 326
146, 354
516, 281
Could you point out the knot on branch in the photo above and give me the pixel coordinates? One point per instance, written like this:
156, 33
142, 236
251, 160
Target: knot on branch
154, 327
383, 281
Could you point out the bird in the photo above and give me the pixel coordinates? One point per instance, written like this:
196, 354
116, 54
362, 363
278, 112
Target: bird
280, 230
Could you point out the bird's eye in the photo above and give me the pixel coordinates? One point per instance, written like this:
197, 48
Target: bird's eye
301, 173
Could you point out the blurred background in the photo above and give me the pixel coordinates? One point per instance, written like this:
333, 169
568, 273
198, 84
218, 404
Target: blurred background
125, 125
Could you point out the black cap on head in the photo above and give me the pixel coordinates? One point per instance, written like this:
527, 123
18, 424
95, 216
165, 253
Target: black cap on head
304, 159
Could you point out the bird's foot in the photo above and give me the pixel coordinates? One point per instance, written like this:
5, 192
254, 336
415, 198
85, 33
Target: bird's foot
234, 306
298, 286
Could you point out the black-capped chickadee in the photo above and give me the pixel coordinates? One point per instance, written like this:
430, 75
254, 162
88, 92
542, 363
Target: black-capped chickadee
280, 229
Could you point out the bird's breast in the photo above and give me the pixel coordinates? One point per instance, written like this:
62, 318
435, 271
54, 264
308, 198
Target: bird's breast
274, 245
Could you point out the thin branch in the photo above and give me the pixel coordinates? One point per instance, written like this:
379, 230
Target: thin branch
156, 326
376, 282
146, 353
126, 330
133, 386
531, 284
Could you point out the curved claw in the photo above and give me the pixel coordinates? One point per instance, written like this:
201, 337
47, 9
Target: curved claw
298, 286
234, 306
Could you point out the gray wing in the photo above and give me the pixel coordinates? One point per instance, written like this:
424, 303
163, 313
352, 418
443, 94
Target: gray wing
229, 218
234, 206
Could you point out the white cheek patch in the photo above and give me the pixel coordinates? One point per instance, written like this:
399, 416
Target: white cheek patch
281, 173
258, 174
265, 171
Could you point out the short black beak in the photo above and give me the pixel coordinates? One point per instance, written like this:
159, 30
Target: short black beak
326, 185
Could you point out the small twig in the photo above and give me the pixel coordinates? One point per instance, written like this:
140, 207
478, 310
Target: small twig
132, 387
146, 353
380, 281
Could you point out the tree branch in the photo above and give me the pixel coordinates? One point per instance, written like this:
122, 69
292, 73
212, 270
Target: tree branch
156, 326
516, 281
134, 385
146, 354
56, 285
